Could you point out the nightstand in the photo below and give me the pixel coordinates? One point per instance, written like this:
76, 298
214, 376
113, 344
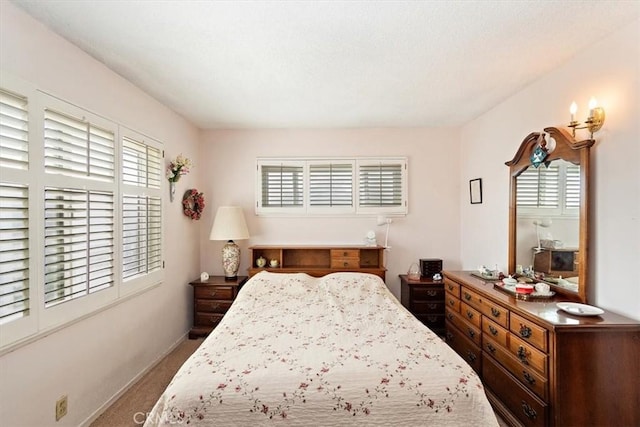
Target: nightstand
211, 300
424, 298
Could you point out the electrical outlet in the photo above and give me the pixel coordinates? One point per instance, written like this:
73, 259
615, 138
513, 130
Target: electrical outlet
61, 408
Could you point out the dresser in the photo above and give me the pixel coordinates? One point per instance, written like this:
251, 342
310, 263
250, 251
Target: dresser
319, 260
424, 298
211, 300
542, 366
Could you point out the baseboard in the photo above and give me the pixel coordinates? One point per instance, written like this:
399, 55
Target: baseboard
87, 422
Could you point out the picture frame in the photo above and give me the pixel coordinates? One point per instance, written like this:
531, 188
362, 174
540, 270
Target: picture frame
475, 191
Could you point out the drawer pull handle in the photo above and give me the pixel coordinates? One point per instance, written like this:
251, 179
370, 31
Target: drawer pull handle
450, 287
469, 314
345, 253
491, 348
467, 296
493, 330
472, 333
215, 320
432, 293
451, 302
213, 293
346, 264
215, 306
432, 306
449, 336
471, 356
449, 316
432, 319
495, 312
525, 331
529, 411
527, 376
522, 355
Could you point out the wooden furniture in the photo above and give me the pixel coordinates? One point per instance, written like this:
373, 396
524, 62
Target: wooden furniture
211, 300
556, 262
540, 365
424, 298
320, 260
577, 153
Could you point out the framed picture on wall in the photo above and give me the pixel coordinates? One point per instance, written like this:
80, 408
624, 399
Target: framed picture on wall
475, 191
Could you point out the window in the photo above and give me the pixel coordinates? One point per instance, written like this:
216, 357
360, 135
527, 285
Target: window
554, 189
80, 212
342, 186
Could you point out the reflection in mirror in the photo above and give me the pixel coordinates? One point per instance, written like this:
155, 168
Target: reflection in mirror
548, 222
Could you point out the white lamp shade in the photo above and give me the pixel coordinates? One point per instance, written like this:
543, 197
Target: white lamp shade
229, 224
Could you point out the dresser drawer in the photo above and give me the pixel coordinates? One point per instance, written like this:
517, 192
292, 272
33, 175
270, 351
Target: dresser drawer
214, 292
496, 312
529, 332
495, 332
527, 376
208, 319
452, 287
464, 347
212, 306
527, 354
529, 409
425, 293
452, 302
471, 315
345, 262
471, 298
467, 329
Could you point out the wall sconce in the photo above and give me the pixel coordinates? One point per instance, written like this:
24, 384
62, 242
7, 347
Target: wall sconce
594, 121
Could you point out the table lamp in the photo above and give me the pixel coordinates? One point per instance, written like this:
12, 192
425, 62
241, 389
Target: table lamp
229, 224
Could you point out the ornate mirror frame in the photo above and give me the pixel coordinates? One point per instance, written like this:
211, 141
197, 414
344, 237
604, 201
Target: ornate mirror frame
576, 152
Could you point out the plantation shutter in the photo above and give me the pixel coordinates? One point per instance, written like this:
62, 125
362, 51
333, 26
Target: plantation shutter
331, 185
282, 186
141, 164
75, 147
142, 234
572, 187
79, 243
14, 252
14, 135
539, 187
380, 185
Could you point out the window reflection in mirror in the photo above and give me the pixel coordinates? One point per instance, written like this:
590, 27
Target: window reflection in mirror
548, 221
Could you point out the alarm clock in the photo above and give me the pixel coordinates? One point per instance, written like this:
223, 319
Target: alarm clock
204, 276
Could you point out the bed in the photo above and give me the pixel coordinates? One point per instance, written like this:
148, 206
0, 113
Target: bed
336, 350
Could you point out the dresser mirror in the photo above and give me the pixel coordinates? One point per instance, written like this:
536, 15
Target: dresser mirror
548, 211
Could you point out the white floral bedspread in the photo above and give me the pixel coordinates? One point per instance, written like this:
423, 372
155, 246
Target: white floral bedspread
337, 350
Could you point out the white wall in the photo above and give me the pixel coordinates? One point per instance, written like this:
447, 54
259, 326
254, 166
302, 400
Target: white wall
91, 360
610, 71
430, 230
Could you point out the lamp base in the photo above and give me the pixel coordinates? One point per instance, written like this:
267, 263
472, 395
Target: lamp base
230, 260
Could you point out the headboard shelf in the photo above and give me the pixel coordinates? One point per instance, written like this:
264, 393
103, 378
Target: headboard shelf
319, 260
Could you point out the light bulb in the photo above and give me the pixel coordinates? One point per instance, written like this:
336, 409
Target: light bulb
592, 105
572, 109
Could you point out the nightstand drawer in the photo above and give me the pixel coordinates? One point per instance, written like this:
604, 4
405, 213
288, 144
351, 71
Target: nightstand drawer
208, 319
427, 294
212, 306
426, 307
345, 262
214, 292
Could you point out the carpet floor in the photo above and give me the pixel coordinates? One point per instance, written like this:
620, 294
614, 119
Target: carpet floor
130, 409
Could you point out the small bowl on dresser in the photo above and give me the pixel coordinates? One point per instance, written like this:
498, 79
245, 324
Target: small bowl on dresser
524, 288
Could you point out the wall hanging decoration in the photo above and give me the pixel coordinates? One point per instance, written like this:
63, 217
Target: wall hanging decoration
176, 168
475, 191
193, 204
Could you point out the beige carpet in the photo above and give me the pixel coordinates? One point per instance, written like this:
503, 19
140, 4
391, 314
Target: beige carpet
130, 408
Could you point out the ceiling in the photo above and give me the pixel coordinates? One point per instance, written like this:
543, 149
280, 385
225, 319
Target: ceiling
331, 64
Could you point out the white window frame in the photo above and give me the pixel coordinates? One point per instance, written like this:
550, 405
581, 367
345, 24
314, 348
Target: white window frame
561, 210
356, 210
41, 321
